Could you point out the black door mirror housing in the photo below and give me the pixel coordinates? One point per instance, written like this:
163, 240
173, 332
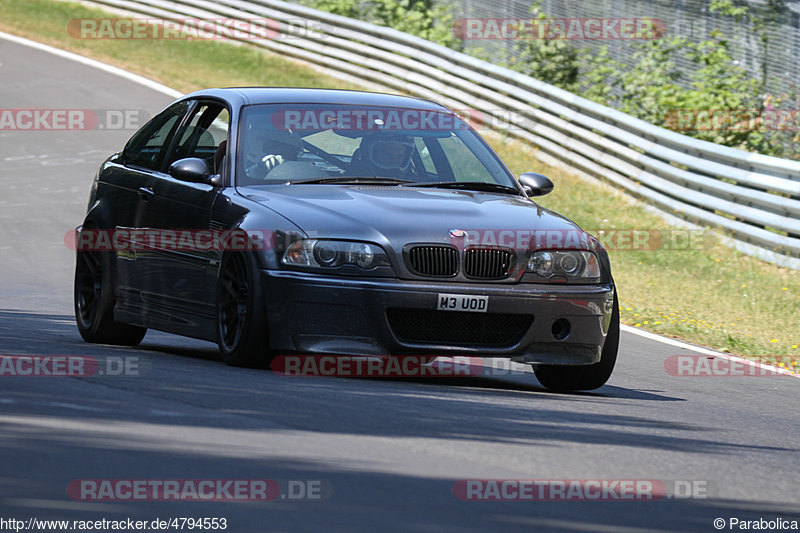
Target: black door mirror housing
191, 169
536, 184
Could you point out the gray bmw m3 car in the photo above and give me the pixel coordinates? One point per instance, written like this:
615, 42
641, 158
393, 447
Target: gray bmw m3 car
312, 221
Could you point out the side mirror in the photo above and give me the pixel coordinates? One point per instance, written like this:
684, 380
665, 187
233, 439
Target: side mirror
536, 184
191, 169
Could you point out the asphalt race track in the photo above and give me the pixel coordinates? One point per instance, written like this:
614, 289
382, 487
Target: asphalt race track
386, 453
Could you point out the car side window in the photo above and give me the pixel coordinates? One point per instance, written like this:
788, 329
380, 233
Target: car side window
146, 148
204, 136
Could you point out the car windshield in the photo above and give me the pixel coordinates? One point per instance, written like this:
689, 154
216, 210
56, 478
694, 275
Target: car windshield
322, 143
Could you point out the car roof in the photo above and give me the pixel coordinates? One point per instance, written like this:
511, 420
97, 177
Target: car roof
294, 95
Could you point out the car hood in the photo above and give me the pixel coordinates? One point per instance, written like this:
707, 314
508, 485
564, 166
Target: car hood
394, 216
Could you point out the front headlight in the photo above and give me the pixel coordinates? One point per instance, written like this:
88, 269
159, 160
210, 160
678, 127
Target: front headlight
575, 265
326, 254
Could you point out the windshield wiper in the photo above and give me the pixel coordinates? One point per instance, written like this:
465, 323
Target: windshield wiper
468, 186
353, 180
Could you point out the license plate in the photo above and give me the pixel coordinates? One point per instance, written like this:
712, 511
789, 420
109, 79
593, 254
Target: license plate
463, 302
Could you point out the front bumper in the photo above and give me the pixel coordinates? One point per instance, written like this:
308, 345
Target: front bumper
313, 313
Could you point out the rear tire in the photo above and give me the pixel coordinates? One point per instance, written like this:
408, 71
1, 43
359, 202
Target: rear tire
562, 378
94, 302
242, 330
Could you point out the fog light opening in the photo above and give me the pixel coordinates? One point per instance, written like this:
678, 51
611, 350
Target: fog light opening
560, 329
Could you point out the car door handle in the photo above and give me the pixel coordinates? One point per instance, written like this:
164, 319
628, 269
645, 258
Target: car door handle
146, 193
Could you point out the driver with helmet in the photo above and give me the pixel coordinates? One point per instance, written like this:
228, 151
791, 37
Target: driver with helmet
386, 155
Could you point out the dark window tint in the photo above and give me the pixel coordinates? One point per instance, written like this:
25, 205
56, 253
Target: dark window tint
203, 136
146, 148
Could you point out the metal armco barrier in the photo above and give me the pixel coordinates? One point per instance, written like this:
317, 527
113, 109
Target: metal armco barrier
753, 197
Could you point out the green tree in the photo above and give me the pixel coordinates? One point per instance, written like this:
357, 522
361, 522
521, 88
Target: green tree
551, 60
649, 87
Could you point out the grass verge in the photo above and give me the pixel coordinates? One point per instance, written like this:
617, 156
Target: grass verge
713, 295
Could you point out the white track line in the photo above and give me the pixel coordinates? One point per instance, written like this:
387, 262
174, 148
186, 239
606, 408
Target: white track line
704, 351
175, 94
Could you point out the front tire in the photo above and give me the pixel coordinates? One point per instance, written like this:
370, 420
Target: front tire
573, 378
94, 303
242, 330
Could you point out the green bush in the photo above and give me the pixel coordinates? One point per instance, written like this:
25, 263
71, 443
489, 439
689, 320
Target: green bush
650, 88
416, 17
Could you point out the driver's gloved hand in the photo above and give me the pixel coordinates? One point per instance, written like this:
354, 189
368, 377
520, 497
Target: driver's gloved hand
262, 168
272, 161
